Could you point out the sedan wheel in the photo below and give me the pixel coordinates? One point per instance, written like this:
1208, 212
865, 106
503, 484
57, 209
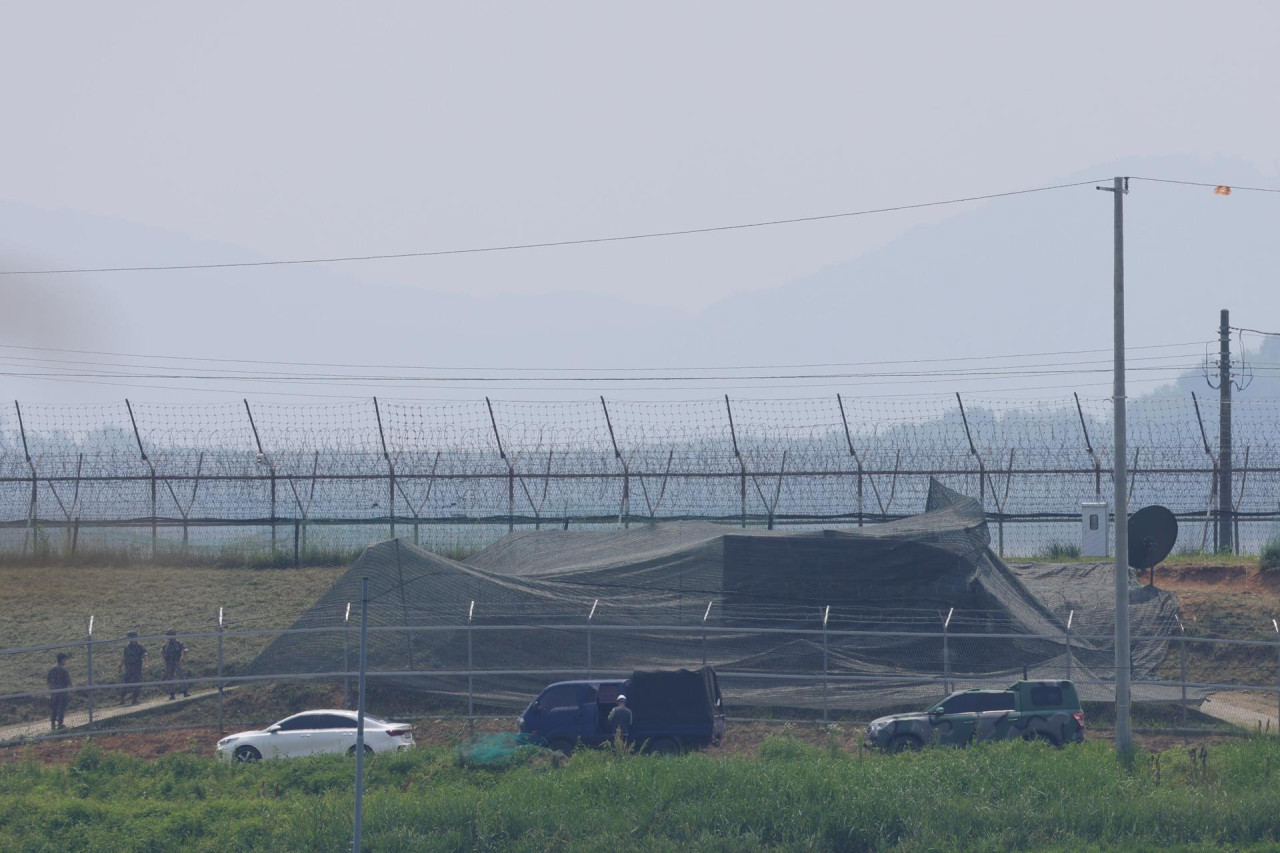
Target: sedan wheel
368, 750
246, 754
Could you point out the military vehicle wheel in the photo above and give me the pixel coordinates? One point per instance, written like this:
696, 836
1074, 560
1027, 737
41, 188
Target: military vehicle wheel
368, 750
1043, 737
905, 743
561, 744
665, 746
246, 754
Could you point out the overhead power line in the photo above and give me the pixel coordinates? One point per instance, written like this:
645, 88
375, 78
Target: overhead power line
366, 366
1232, 187
584, 241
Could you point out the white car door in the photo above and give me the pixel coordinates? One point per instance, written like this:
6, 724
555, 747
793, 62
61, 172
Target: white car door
334, 734
295, 736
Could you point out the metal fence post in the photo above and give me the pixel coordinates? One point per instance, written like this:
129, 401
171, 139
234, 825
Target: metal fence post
704, 632
946, 653
356, 845
1182, 666
221, 709
826, 612
471, 694
1277, 627
590, 616
346, 667
1070, 617
89, 663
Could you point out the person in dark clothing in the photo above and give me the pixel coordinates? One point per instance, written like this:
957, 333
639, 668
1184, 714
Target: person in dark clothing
620, 719
173, 653
131, 664
58, 679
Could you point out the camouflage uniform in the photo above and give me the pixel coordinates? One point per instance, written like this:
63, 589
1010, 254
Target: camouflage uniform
131, 664
58, 679
173, 652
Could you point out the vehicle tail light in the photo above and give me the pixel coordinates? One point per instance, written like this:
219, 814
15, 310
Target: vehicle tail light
408, 730
1078, 716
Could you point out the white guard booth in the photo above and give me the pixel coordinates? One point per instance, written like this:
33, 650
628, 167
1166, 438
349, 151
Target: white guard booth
1095, 533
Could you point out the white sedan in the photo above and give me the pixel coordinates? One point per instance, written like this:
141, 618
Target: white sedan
315, 733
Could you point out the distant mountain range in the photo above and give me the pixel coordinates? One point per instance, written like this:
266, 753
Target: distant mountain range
1027, 274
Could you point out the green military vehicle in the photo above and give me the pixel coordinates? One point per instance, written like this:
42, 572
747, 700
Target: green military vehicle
1048, 711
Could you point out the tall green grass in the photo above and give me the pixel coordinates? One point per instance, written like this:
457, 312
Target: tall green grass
795, 796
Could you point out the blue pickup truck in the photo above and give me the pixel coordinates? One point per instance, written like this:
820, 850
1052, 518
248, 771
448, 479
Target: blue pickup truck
673, 711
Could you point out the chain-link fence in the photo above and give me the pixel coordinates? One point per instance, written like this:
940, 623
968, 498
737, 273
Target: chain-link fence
158, 480
798, 670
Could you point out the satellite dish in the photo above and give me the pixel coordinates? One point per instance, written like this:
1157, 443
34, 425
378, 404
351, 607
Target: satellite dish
1153, 530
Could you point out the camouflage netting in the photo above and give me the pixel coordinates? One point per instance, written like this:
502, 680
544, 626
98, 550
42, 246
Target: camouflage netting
889, 587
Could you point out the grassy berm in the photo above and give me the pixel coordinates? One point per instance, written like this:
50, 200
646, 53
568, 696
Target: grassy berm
793, 796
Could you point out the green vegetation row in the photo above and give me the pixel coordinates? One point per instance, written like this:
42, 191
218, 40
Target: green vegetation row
794, 796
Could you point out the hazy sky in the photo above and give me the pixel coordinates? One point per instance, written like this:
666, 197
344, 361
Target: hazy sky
302, 129
284, 130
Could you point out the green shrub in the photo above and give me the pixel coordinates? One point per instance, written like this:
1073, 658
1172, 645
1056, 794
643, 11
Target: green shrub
1061, 551
1269, 560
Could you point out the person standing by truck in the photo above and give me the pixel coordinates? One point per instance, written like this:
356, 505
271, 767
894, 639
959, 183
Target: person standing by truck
620, 720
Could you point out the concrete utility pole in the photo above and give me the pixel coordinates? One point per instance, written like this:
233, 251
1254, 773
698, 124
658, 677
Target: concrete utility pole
1124, 735
1224, 434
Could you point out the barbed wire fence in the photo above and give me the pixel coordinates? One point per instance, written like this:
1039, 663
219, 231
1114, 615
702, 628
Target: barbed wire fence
156, 480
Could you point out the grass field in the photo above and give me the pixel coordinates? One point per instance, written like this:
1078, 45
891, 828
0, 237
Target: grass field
47, 604
793, 796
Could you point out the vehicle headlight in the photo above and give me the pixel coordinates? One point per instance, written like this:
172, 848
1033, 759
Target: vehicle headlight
877, 726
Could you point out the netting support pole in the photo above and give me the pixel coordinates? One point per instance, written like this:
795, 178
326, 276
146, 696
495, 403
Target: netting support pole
264, 459
31, 510
88, 653
826, 612
742, 466
137, 435
856, 458
222, 721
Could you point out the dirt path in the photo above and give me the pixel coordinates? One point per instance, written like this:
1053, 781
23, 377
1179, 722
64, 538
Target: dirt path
80, 719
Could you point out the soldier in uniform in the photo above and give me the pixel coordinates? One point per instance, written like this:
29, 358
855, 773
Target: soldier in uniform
173, 652
620, 720
131, 664
58, 679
